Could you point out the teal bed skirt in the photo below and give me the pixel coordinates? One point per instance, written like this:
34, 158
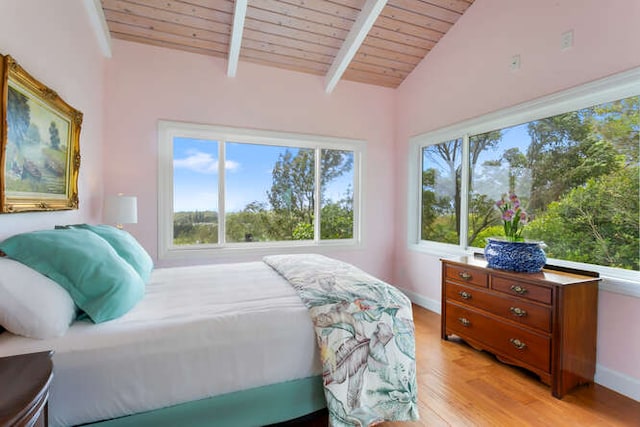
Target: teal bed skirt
254, 407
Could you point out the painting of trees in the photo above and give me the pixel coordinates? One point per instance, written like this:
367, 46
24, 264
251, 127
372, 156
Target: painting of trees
54, 136
19, 115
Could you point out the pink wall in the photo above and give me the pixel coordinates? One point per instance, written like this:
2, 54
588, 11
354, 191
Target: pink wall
54, 43
468, 74
145, 84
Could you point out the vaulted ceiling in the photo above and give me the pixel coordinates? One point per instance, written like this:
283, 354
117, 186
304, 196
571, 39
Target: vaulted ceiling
377, 42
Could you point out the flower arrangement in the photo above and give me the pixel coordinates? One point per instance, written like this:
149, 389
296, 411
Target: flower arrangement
513, 217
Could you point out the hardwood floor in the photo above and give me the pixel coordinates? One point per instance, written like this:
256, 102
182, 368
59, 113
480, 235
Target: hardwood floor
459, 386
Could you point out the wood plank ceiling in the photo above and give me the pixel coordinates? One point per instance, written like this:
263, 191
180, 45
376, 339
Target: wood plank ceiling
300, 35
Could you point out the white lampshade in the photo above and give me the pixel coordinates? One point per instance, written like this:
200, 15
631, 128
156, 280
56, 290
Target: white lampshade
120, 210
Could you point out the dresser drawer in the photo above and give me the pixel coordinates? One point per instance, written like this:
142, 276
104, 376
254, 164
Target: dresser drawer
514, 309
467, 275
521, 289
506, 340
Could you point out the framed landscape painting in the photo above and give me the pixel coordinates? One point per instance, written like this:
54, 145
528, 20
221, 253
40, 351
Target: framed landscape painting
39, 143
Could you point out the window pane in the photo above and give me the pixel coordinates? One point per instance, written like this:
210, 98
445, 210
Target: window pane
441, 169
336, 209
269, 193
498, 166
195, 191
577, 177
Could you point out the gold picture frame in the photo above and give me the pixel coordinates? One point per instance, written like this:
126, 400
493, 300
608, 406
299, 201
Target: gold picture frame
39, 144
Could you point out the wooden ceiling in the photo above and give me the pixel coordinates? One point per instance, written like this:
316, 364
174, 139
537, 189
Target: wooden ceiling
300, 35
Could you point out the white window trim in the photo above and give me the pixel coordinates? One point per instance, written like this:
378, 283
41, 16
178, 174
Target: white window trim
168, 130
622, 85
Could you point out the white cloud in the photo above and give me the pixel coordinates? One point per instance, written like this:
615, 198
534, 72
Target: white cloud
198, 161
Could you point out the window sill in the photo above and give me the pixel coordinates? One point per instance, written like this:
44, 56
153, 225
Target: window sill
236, 250
610, 281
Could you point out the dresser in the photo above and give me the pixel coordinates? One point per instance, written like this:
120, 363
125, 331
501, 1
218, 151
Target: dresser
24, 389
544, 322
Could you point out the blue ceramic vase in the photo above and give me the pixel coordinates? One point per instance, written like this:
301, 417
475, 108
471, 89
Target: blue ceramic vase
524, 257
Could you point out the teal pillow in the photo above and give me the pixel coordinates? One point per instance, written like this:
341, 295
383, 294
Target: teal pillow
126, 246
99, 281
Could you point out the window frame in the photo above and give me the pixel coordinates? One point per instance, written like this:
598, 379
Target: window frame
168, 130
622, 85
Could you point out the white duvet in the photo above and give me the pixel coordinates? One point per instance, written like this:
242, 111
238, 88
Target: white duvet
199, 332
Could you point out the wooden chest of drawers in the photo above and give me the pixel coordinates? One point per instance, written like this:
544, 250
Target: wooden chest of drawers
545, 322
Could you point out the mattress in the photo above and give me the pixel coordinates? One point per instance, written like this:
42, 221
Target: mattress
199, 331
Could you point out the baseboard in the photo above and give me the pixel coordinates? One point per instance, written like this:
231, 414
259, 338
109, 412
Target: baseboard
429, 304
616, 381
604, 376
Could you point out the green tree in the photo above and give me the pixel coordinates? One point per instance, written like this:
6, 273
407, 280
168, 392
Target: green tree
619, 123
292, 189
591, 172
429, 213
253, 224
564, 153
596, 223
195, 227
292, 194
440, 211
336, 218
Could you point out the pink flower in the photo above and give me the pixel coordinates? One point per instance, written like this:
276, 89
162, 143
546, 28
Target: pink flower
523, 217
508, 215
513, 217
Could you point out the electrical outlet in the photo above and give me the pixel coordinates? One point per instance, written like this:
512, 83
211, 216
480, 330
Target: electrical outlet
566, 41
515, 62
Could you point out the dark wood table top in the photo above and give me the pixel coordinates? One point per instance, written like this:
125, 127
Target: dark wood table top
24, 380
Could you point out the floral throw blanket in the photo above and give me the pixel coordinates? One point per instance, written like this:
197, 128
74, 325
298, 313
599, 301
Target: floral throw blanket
364, 329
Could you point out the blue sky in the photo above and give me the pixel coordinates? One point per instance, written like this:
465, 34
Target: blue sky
248, 174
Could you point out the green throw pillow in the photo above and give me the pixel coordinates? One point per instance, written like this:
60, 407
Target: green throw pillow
126, 246
99, 281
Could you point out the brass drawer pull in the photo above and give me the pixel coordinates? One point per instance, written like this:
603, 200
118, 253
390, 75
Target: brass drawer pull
464, 295
464, 275
517, 343
465, 322
519, 289
517, 311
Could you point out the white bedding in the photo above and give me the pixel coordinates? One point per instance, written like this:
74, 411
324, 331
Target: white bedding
198, 332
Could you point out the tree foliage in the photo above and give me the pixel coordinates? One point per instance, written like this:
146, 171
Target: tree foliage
289, 213
596, 223
199, 227
580, 176
436, 204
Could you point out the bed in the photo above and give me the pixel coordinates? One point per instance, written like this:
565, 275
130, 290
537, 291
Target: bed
234, 343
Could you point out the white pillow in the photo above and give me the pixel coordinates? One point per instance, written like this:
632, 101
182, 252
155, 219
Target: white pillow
31, 304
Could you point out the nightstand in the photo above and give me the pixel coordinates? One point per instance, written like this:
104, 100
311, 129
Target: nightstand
25, 381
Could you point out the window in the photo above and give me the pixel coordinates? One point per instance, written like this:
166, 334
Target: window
223, 187
573, 159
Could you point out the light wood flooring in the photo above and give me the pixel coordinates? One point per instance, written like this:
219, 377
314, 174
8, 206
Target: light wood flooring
459, 386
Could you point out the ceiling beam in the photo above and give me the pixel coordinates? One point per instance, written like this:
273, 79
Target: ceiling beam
239, 14
99, 24
356, 36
